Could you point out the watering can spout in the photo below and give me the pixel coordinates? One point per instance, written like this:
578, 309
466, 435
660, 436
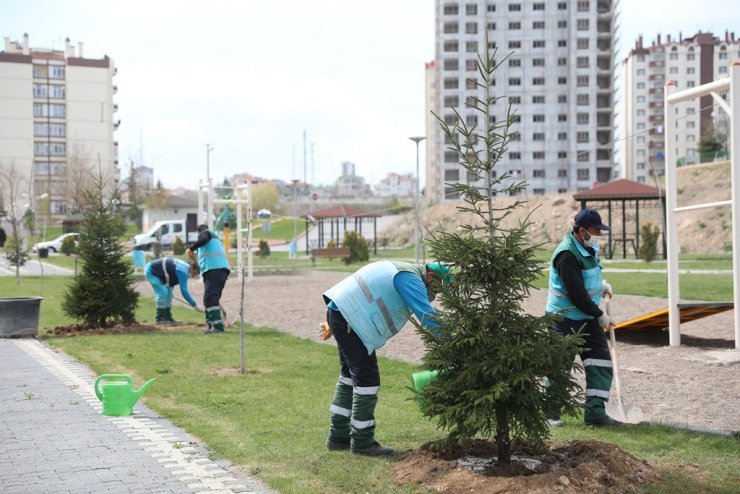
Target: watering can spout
137, 394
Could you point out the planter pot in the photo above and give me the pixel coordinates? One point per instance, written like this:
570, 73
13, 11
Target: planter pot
19, 316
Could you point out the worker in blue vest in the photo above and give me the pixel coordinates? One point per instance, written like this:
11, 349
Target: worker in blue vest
364, 311
215, 269
576, 287
165, 273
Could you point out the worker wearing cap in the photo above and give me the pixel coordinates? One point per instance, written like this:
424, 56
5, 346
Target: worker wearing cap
364, 311
165, 273
576, 287
215, 269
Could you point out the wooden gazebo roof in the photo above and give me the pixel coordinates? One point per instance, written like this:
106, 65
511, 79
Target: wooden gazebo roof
622, 190
338, 216
342, 211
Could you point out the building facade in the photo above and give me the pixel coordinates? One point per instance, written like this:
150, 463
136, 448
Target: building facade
686, 63
559, 77
57, 119
396, 185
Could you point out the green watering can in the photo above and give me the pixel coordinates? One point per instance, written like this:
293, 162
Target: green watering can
419, 380
118, 394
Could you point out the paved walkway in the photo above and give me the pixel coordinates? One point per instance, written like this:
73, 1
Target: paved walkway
54, 439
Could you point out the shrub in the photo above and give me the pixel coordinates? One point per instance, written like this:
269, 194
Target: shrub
69, 246
15, 253
358, 250
3, 237
178, 247
649, 235
264, 248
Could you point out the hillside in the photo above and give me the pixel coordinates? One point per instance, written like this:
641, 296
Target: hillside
701, 231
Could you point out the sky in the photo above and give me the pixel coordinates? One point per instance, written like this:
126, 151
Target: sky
250, 78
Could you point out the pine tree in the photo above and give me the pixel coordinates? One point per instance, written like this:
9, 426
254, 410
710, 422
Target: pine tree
493, 359
103, 292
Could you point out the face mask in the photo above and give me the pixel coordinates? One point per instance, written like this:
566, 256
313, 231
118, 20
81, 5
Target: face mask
592, 242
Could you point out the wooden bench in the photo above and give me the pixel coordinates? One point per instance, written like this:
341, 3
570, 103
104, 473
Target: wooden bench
624, 241
330, 253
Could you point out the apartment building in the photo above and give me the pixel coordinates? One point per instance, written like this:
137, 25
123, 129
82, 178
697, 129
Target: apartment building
559, 76
687, 63
57, 119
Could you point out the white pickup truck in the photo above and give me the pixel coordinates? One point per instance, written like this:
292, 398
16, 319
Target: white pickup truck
164, 232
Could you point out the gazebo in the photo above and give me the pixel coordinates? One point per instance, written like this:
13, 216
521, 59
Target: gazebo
623, 191
339, 217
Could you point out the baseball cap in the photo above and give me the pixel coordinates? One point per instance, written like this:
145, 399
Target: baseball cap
589, 217
442, 271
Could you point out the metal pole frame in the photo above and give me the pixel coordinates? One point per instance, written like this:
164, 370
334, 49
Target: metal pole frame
417, 228
672, 98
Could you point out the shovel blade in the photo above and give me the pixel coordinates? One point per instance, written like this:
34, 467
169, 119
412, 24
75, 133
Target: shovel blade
628, 415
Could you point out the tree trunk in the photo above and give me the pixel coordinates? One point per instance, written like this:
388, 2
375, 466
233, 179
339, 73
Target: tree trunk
503, 441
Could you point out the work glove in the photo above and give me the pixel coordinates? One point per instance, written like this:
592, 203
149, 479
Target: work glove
198, 308
605, 320
191, 253
606, 290
325, 331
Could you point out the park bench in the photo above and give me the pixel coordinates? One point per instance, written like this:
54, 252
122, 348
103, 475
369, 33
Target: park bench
330, 253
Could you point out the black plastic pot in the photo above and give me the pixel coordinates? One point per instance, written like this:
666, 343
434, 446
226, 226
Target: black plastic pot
19, 316
43, 252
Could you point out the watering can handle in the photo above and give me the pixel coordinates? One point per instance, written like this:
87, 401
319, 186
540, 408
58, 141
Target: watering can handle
119, 377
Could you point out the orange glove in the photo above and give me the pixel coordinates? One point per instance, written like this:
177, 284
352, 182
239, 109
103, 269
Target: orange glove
325, 331
191, 254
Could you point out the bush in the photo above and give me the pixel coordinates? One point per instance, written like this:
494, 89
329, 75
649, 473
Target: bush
649, 235
264, 248
69, 246
358, 250
178, 247
17, 256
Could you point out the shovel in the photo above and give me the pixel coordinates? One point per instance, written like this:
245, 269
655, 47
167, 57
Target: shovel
223, 311
629, 415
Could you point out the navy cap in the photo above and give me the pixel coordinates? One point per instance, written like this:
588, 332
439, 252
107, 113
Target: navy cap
588, 218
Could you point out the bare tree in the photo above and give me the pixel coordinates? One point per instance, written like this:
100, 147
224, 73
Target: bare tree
13, 182
78, 177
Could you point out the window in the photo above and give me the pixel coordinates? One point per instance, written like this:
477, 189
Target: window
451, 101
451, 28
515, 25
562, 6
452, 175
41, 168
451, 64
673, 56
690, 125
582, 81
515, 7
56, 110
538, 99
471, 83
582, 137
583, 156
582, 43
46, 130
538, 25
450, 157
562, 136
471, 9
471, 27
538, 173
582, 62
690, 70
515, 62
515, 44
538, 6
722, 69
538, 62
450, 9
673, 70
562, 172
470, 65
640, 126
491, 26
538, 81
562, 98
583, 6
49, 149
723, 55
539, 43
582, 24
471, 46
562, 43
450, 193
582, 118
562, 24
538, 136
515, 156
491, 8
641, 113
562, 62
640, 71
640, 85
641, 99
56, 71
561, 156
451, 46
450, 119
515, 81
451, 83
538, 117
691, 56
583, 173
562, 117
582, 99
538, 155
470, 101
515, 100
562, 80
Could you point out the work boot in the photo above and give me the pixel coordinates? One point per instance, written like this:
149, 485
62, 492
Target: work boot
604, 421
375, 449
334, 444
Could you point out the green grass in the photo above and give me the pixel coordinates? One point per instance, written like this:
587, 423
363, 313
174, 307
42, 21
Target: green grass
274, 419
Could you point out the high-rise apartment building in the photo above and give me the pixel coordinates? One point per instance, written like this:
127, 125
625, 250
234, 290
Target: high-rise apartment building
559, 76
57, 119
687, 63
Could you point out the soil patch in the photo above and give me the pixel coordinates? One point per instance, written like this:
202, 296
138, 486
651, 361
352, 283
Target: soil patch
575, 467
85, 329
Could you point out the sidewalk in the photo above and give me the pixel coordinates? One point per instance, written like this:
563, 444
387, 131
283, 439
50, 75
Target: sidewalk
55, 439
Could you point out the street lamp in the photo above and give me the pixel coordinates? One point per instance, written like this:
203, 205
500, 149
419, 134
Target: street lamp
417, 140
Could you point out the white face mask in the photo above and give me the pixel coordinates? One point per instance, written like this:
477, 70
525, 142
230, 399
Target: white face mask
592, 242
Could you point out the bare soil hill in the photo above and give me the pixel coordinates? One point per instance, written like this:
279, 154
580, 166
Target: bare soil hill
701, 231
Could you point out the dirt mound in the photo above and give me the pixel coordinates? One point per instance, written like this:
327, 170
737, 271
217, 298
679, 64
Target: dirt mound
574, 468
84, 329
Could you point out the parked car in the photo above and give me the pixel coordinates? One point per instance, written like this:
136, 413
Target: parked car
54, 245
165, 233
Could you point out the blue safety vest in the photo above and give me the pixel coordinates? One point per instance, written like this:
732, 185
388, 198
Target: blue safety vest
557, 297
370, 303
212, 255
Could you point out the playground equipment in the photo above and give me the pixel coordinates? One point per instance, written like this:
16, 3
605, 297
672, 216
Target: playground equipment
118, 394
242, 197
672, 98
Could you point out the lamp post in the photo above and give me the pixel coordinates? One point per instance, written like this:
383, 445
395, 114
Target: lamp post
209, 148
417, 140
